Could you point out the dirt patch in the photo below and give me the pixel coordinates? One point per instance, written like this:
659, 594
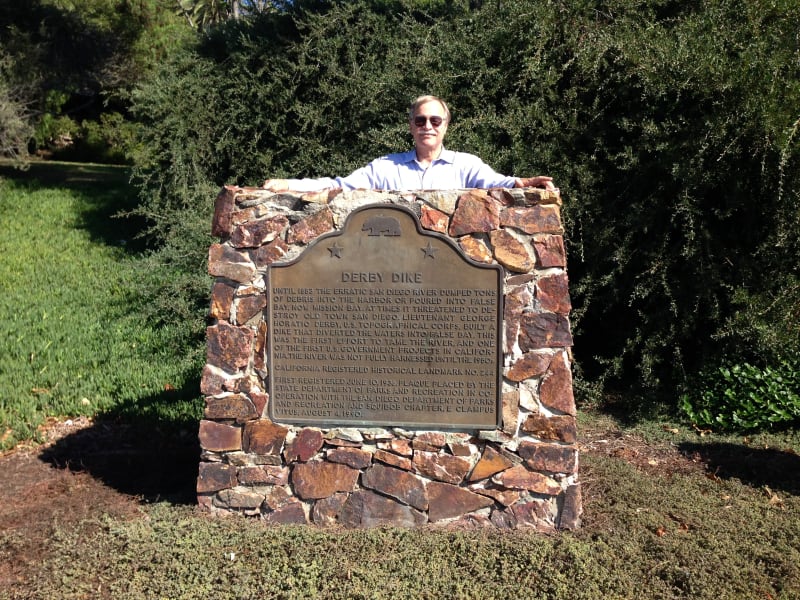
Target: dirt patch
84, 470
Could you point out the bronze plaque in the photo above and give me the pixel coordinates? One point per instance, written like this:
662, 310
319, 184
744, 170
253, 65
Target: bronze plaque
384, 323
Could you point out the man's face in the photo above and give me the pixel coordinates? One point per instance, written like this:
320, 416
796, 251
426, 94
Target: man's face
428, 137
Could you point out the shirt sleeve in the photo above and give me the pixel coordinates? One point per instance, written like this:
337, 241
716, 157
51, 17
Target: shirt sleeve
477, 174
363, 178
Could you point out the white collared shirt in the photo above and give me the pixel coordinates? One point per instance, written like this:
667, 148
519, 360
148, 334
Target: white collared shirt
401, 171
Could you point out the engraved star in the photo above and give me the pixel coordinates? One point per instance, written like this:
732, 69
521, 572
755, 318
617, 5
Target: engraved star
335, 250
430, 251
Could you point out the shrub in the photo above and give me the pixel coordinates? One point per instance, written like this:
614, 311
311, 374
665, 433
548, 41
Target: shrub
746, 397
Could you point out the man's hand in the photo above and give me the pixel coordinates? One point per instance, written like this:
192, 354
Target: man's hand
541, 181
276, 185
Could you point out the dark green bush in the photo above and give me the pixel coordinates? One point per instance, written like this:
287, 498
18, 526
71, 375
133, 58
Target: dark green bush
746, 397
670, 127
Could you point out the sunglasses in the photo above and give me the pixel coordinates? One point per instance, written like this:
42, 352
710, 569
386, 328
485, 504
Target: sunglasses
435, 121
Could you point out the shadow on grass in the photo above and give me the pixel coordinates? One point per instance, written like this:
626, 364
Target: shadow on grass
137, 450
777, 469
106, 189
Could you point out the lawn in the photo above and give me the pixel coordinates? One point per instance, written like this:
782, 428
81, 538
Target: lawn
69, 342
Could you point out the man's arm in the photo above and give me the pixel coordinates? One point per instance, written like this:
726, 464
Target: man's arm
541, 181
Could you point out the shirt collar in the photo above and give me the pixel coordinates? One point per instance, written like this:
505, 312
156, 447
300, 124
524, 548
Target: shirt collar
446, 155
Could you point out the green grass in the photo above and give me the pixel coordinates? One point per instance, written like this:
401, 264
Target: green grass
69, 343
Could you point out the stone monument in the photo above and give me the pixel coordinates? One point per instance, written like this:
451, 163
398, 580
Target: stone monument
383, 358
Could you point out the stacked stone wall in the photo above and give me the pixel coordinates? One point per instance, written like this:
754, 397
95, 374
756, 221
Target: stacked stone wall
522, 475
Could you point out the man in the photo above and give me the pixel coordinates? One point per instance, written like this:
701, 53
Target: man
429, 166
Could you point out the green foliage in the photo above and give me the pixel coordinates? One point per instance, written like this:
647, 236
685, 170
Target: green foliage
74, 60
670, 127
69, 342
746, 397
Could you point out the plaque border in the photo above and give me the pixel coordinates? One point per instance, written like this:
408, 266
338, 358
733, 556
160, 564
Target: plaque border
360, 424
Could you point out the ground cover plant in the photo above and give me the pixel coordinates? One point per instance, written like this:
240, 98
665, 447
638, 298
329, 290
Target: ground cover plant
70, 343
103, 507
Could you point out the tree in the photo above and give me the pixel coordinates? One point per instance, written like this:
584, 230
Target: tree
15, 128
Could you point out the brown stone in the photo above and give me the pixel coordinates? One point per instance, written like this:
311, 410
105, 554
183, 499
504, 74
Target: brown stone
342, 443
533, 219
553, 294
491, 462
239, 499
260, 400
520, 279
464, 449
264, 437
532, 364
221, 300
311, 227
510, 252
321, 196
476, 213
541, 196
549, 457
500, 495
292, 513
433, 219
522, 478
355, 458
236, 407
555, 391
443, 467
304, 446
277, 497
223, 211
263, 475
559, 427
476, 249
401, 462
571, 508
212, 381
429, 439
510, 412
266, 255
549, 251
365, 508
503, 519
213, 477
533, 514
248, 307
505, 196
205, 501
228, 347
326, 511
448, 501
219, 437
516, 301
396, 483
224, 261
544, 330
398, 446
320, 479
257, 233
260, 349
243, 215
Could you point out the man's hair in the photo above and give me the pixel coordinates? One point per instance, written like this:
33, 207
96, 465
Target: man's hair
417, 102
